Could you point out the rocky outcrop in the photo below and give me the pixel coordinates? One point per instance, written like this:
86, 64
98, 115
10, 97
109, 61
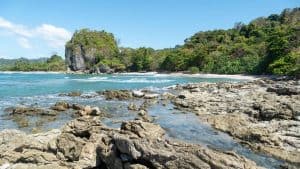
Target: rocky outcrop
261, 114
86, 143
84, 51
23, 116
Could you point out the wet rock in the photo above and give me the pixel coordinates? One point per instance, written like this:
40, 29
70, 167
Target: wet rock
31, 111
117, 94
89, 111
61, 106
143, 115
259, 113
77, 107
71, 94
167, 96
133, 107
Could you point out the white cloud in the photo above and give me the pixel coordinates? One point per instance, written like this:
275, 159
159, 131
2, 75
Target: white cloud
52, 36
55, 36
23, 42
15, 28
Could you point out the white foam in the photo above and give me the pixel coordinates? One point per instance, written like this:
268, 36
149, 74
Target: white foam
131, 80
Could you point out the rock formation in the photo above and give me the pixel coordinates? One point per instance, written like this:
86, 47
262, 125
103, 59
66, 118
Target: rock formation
86, 143
87, 48
262, 114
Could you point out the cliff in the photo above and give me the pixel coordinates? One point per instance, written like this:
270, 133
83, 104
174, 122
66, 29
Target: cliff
87, 48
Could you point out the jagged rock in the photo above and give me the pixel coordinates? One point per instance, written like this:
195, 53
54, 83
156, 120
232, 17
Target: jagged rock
77, 107
252, 112
167, 96
117, 94
30, 111
132, 106
86, 143
90, 111
143, 115
61, 106
283, 90
105, 69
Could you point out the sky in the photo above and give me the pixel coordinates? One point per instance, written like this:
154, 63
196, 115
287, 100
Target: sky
40, 28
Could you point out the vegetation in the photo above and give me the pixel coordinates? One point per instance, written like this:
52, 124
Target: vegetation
267, 45
54, 63
99, 47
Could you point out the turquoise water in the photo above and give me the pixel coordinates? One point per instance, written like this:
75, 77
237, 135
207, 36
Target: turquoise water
43, 89
31, 84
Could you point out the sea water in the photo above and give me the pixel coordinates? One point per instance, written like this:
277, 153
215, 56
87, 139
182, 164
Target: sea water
44, 89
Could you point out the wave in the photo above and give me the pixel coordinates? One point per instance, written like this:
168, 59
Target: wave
131, 80
35, 72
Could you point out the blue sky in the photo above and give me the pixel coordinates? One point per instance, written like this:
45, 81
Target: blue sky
39, 28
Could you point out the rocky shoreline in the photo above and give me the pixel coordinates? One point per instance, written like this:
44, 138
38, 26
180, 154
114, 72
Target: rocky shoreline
86, 143
262, 114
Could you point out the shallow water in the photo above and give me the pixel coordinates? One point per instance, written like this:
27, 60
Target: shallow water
187, 127
43, 90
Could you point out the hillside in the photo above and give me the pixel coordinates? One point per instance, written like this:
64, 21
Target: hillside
54, 63
267, 45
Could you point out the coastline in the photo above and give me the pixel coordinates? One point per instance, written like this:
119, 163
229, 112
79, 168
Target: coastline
240, 109
197, 75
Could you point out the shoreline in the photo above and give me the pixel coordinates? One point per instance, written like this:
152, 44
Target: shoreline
197, 75
227, 107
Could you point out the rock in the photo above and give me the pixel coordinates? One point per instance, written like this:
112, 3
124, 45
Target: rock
134, 166
30, 111
89, 111
117, 94
181, 96
71, 94
143, 115
151, 95
143, 129
137, 93
105, 69
70, 146
261, 114
132, 106
167, 96
86, 143
269, 111
283, 90
77, 107
95, 111
61, 106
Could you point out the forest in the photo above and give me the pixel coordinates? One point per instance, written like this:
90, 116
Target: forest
266, 45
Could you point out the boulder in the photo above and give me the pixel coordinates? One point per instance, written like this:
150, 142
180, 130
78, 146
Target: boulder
61, 106
117, 94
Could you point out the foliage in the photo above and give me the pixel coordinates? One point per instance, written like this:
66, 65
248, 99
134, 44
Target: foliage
54, 63
193, 70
